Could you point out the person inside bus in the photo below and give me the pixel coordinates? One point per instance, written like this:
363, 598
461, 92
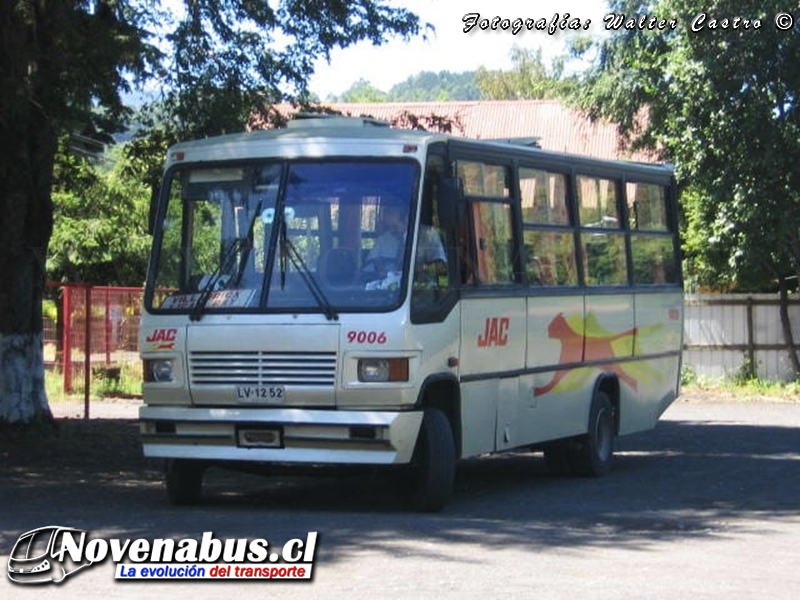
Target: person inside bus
387, 254
430, 250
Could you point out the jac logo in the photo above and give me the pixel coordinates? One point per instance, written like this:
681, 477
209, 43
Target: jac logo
162, 339
495, 332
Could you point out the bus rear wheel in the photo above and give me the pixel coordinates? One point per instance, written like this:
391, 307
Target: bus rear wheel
184, 481
433, 464
594, 451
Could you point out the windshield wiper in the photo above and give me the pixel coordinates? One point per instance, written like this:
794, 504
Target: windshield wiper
289, 251
225, 266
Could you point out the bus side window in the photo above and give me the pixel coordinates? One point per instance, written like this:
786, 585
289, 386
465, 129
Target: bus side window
493, 242
602, 237
432, 268
652, 247
547, 232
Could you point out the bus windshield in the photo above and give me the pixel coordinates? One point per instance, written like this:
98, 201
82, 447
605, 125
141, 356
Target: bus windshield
301, 236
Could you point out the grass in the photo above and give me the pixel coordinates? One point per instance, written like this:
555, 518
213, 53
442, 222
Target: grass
740, 387
119, 380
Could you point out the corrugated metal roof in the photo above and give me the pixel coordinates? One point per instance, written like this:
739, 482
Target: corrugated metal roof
558, 127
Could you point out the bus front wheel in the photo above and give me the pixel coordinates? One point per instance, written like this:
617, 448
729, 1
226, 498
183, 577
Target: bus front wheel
184, 481
433, 463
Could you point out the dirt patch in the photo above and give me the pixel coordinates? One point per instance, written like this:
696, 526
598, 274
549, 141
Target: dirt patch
71, 449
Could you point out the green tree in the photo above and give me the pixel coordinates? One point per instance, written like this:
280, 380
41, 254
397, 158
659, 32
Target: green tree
722, 103
529, 79
443, 86
363, 91
62, 60
101, 209
425, 86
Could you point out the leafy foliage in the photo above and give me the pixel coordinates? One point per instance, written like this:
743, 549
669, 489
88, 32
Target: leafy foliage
233, 57
443, 86
215, 63
722, 104
100, 227
363, 91
530, 78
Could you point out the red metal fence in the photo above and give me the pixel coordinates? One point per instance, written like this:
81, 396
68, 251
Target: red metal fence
91, 345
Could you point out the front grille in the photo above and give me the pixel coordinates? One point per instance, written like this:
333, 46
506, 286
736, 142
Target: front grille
263, 368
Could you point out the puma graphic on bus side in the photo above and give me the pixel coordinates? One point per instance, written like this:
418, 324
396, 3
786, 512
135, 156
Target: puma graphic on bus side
580, 338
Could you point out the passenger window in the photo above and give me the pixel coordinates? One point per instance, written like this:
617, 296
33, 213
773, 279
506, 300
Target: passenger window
652, 247
602, 237
550, 257
647, 207
654, 259
485, 180
544, 197
604, 258
493, 243
597, 203
548, 234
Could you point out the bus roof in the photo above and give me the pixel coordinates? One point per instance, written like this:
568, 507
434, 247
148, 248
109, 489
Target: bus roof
315, 135
303, 137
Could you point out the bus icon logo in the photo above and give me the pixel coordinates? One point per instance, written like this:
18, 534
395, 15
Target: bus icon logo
38, 556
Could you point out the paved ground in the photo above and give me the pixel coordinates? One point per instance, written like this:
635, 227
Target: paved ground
706, 506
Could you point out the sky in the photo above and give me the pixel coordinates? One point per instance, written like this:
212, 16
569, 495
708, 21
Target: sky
450, 48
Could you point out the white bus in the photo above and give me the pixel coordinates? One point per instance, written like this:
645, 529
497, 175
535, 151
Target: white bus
340, 292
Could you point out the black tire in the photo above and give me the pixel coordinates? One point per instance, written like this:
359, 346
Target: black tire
593, 452
184, 482
433, 464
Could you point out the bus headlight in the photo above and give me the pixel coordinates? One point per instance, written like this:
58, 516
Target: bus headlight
379, 370
158, 370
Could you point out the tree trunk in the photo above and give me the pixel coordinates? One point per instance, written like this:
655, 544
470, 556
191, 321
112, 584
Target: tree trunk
28, 142
24, 234
22, 392
786, 325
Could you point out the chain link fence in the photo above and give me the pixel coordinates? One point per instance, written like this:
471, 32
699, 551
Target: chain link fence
91, 348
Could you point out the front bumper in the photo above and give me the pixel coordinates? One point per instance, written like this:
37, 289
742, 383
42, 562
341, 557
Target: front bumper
293, 435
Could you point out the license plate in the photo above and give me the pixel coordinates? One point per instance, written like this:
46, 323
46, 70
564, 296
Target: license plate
261, 393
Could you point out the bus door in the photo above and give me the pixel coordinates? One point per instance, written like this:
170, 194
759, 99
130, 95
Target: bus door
493, 328
555, 310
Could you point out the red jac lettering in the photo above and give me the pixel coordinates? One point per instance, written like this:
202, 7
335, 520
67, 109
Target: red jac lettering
163, 335
495, 332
